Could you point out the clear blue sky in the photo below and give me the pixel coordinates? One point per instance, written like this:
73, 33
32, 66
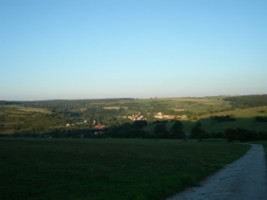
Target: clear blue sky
62, 49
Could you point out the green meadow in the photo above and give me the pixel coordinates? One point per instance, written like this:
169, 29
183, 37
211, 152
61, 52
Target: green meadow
100, 169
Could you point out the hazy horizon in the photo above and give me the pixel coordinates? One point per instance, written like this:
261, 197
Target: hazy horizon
81, 49
163, 97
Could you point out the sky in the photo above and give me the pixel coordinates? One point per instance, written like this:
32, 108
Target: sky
84, 49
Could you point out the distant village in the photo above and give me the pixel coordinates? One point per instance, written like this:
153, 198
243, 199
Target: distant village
98, 128
159, 115
133, 117
85, 122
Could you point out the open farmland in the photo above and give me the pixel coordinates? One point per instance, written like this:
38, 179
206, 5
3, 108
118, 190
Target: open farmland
107, 168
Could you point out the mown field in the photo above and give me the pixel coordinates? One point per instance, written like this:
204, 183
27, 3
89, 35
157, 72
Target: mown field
99, 169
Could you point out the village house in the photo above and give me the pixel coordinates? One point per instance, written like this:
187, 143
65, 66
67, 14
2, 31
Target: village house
160, 115
100, 126
135, 117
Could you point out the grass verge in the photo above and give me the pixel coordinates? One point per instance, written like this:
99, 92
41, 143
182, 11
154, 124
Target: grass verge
108, 168
264, 143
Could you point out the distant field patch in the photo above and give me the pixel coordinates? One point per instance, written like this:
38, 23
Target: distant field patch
16, 109
35, 110
241, 113
114, 107
107, 169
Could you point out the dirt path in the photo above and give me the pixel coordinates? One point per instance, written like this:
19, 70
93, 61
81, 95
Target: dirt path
244, 179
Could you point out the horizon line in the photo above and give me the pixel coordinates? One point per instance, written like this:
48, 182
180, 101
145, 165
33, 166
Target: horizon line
136, 98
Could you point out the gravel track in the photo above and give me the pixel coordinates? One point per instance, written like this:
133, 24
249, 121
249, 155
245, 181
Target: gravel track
244, 179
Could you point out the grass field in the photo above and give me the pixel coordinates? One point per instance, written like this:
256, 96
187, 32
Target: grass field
246, 123
241, 113
108, 168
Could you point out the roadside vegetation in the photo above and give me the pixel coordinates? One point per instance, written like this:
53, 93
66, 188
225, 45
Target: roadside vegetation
264, 143
100, 169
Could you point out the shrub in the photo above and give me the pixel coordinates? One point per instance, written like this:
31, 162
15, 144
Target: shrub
241, 134
226, 118
260, 119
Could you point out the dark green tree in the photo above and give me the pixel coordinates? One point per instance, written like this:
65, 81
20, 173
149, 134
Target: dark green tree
139, 124
230, 134
197, 132
176, 131
161, 131
1, 126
